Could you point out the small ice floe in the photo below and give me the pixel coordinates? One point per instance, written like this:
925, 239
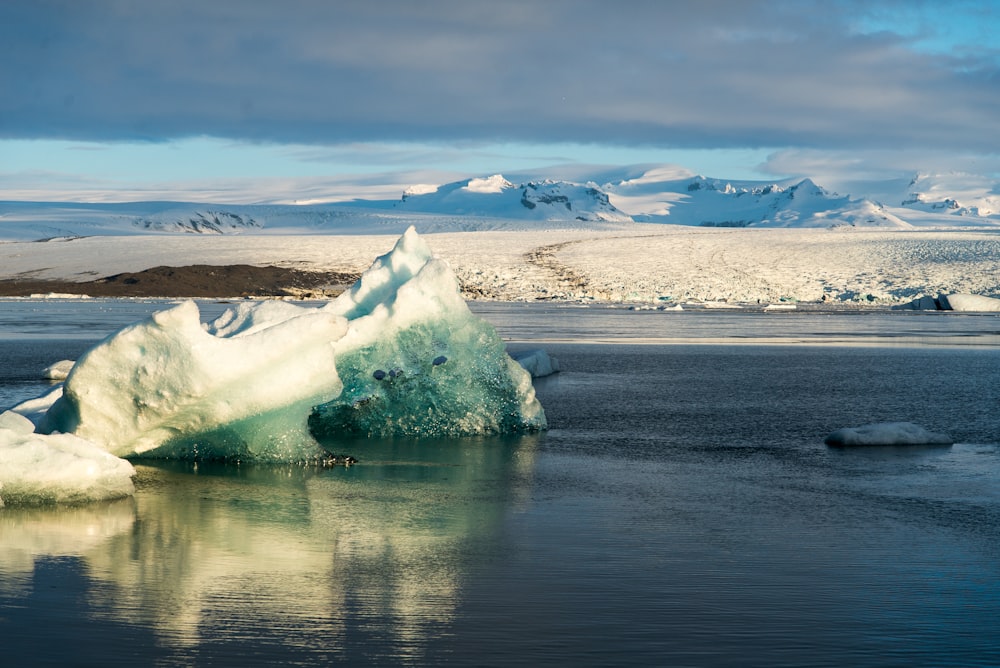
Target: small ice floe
58, 371
962, 302
39, 469
955, 302
887, 433
57, 295
536, 362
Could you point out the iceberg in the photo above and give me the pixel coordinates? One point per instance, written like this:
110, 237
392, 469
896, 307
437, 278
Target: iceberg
886, 433
417, 362
167, 387
537, 362
397, 354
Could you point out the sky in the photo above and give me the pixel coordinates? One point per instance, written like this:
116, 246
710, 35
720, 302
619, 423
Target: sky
322, 100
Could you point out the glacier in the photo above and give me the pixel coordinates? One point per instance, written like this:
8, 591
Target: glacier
398, 354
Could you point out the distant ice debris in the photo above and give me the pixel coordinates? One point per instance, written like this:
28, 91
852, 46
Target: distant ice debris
886, 433
398, 354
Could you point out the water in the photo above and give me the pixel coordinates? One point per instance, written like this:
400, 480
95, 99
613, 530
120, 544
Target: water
681, 511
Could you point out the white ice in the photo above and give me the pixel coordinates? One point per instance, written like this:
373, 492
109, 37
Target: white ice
166, 381
398, 354
961, 302
57, 371
537, 362
36, 468
887, 433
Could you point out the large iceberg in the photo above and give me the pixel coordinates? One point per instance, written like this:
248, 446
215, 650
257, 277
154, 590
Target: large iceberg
398, 354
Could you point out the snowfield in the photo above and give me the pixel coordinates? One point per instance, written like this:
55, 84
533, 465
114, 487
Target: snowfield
644, 234
636, 262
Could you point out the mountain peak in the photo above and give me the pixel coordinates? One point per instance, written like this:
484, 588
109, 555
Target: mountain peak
491, 184
496, 197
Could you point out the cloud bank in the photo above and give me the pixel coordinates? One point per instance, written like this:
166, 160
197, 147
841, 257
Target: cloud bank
710, 74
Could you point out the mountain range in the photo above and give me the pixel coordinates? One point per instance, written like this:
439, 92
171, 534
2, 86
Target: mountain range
650, 194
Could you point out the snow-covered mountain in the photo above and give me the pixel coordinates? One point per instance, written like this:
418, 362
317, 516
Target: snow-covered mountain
497, 197
32, 221
697, 200
198, 222
667, 194
955, 194
603, 199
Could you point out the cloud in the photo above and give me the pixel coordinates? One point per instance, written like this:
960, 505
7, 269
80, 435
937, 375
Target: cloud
844, 168
710, 74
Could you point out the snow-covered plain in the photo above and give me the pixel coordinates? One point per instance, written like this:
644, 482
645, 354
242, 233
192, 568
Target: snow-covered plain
654, 234
635, 262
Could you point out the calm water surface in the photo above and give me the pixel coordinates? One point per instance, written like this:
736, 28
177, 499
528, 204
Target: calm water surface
682, 510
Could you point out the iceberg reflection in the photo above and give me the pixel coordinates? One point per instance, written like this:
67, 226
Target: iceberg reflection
295, 558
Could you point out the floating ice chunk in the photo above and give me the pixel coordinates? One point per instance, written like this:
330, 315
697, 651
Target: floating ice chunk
166, 387
36, 468
887, 433
962, 302
35, 409
58, 371
536, 362
420, 318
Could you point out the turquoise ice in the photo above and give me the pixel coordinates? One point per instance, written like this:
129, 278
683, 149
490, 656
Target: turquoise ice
398, 354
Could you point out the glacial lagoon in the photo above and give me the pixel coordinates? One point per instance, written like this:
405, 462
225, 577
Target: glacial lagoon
681, 509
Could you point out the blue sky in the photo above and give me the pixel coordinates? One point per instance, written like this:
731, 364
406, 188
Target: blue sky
311, 100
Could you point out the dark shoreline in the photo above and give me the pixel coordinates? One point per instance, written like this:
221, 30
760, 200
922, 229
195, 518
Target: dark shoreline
204, 281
